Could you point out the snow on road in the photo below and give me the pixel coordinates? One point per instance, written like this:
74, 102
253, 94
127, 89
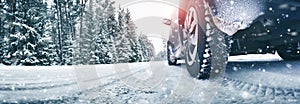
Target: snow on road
26, 84
150, 83
246, 81
262, 79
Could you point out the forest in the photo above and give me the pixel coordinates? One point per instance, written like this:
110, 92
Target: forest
69, 32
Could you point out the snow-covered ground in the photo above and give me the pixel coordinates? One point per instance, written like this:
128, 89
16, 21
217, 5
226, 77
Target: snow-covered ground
265, 79
255, 58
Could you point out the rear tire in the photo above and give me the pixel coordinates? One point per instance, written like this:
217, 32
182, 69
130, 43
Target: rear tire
171, 59
206, 51
289, 52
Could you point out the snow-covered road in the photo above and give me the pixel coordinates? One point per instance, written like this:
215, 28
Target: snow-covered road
252, 79
260, 79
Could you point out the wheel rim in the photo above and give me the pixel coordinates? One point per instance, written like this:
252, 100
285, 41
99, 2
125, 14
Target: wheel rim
191, 29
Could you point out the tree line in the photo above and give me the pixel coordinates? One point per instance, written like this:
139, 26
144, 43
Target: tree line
69, 32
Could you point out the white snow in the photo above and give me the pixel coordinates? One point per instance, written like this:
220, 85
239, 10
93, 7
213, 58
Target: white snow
19, 77
245, 95
270, 9
26, 26
288, 30
269, 68
153, 82
136, 83
235, 15
255, 57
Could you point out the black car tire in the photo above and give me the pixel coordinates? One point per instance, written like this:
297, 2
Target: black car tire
171, 61
206, 50
289, 52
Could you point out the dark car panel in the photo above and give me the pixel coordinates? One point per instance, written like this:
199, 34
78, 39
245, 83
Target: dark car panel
279, 24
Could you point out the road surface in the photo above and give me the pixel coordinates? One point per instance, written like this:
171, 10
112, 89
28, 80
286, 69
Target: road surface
252, 79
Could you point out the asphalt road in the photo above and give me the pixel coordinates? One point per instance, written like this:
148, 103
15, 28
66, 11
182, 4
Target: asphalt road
247, 80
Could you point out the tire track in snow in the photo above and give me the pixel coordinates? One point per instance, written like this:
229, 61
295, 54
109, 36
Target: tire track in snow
75, 97
108, 92
263, 92
16, 88
43, 85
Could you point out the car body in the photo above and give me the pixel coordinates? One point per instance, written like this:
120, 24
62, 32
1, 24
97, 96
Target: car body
257, 27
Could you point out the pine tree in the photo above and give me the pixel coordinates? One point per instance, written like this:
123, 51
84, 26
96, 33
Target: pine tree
132, 36
123, 46
7, 19
2, 35
104, 39
112, 30
86, 41
46, 48
98, 37
56, 32
67, 13
147, 48
33, 34
24, 28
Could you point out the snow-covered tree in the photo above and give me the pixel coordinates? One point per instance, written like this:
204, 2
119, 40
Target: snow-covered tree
106, 30
147, 48
34, 33
122, 40
2, 35
67, 13
132, 35
47, 53
85, 50
24, 27
7, 28
112, 28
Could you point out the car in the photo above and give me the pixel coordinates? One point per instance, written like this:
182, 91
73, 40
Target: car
206, 32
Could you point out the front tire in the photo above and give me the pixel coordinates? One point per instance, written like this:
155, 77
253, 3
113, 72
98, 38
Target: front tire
206, 50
